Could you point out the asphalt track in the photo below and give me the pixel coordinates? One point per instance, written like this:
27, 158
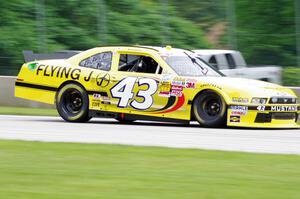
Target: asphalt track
140, 133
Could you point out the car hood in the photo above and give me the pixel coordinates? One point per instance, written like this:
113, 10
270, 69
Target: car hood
240, 87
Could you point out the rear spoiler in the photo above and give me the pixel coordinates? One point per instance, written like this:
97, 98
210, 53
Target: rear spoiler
30, 56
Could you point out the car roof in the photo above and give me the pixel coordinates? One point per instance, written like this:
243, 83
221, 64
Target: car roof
213, 51
167, 49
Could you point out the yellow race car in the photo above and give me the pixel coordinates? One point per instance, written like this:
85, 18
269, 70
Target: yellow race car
154, 83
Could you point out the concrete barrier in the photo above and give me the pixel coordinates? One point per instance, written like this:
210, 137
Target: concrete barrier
7, 98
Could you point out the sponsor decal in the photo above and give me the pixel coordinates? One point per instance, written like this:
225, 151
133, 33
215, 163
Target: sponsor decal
190, 83
105, 100
211, 85
178, 82
238, 110
235, 118
164, 93
164, 89
98, 99
166, 78
103, 79
96, 96
58, 71
284, 108
281, 93
177, 93
176, 90
96, 103
261, 108
32, 66
240, 100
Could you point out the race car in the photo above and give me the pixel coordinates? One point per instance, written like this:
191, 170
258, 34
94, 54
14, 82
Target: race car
131, 83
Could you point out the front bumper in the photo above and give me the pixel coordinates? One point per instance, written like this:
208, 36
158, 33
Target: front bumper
266, 116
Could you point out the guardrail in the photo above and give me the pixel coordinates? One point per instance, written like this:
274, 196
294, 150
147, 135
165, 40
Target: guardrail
7, 97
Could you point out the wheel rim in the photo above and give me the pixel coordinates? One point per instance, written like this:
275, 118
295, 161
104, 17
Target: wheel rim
73, 101
211, 107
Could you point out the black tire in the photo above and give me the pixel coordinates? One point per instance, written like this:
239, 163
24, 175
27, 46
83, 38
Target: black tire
209, 109
72, 103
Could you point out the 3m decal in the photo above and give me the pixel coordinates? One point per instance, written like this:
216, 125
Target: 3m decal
123, 90
190, 83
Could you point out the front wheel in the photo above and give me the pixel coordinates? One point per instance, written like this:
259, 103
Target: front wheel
209, 109
72, 103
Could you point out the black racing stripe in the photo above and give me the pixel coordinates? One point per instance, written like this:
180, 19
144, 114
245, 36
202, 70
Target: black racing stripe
49, 88
170, 103
97, 92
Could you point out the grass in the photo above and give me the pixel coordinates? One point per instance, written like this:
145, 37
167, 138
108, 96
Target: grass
27, 111
61, 170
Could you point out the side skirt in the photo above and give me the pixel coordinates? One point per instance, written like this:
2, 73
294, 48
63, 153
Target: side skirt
106, 114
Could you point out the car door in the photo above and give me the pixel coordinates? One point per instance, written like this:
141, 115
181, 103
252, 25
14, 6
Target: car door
138, 85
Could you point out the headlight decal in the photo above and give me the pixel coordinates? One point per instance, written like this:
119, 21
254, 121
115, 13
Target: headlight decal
257, 100
239, 100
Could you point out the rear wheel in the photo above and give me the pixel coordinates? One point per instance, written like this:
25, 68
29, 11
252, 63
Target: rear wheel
72, 103
209, 109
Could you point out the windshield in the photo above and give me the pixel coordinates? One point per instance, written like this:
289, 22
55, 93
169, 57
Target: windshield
188, 64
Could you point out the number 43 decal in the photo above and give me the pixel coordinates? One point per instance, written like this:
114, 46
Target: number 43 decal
123, 90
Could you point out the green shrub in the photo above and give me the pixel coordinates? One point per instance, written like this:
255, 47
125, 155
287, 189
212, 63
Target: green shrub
291, 76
